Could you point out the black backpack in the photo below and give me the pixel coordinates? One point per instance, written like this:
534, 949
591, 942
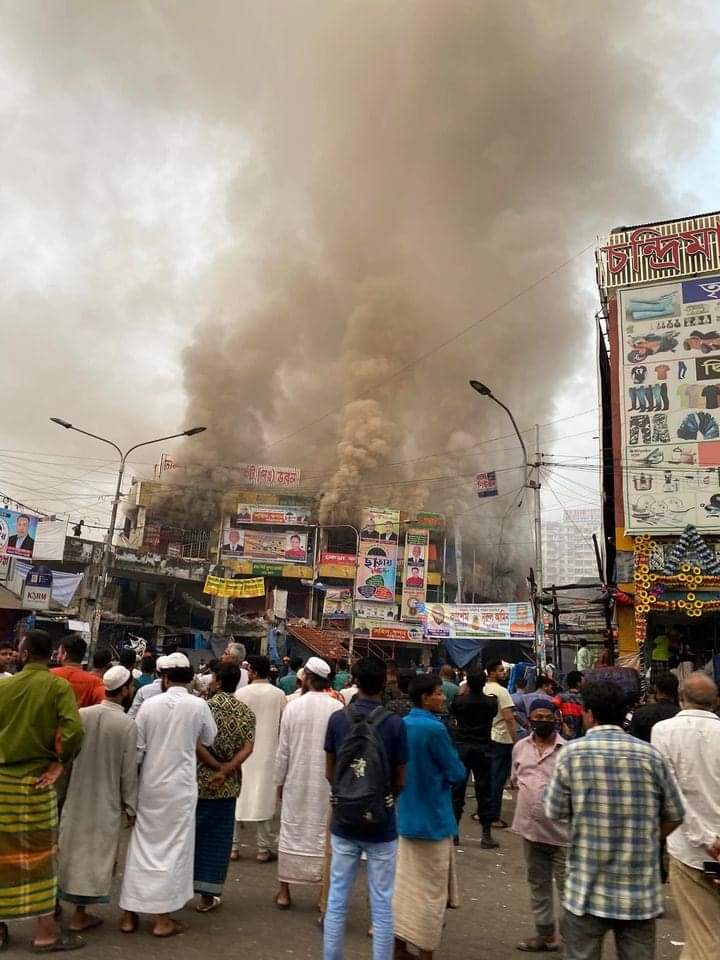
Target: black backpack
362, 795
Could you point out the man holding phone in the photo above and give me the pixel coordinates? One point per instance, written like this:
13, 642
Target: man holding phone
690, 743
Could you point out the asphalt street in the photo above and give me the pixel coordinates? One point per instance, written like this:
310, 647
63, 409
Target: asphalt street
493, 917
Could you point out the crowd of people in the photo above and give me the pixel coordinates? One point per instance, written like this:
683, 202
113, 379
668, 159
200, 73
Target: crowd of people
366, 763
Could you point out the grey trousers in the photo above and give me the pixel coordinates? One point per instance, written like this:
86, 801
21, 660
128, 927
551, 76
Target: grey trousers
266, 839
634, 939
545, 863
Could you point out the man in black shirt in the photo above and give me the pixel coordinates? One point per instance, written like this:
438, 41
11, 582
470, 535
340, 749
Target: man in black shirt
664, 707
474, 713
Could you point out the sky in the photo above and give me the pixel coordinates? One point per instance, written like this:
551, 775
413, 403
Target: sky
259, 217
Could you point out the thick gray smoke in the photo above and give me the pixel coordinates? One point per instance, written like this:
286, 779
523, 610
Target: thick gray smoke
402, 169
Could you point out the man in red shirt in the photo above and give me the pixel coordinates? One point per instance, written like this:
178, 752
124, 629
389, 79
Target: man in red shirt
88, 687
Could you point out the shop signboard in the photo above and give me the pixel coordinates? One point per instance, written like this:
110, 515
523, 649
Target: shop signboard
271, 514
669, 389
337, 604
341, 559
289, 546
37, 588
486, 484
265, 475
377, 561
414, 580
479, 620
17, 533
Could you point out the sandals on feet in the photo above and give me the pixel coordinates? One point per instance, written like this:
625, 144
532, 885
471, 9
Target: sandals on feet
175, 930
208, 907
67, 941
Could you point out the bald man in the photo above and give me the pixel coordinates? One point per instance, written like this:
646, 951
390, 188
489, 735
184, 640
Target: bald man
690, 742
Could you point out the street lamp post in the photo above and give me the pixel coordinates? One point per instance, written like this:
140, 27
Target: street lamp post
108, 543
533, 485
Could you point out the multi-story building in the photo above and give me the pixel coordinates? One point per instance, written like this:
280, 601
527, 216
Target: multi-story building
568, 551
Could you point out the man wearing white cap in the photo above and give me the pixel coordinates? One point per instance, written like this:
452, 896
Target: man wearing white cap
300, 777
102, 788
148, 690
158, 875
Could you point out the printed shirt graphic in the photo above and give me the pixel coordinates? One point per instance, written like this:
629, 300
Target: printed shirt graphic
638, 374
712, 396
662, 371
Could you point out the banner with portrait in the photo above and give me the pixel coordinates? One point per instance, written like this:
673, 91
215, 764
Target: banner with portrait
414, 580
17, 533
500, 620
289, 546
337, 604
377, 560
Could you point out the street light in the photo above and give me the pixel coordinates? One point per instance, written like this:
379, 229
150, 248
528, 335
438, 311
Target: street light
533, 485
107, 546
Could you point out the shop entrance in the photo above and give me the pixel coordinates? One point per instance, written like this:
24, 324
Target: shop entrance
681, 639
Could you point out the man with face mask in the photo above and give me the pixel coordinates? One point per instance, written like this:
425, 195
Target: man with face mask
102, 793
544, 841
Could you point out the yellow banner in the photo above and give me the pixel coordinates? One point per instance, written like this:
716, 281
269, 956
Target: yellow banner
220, 587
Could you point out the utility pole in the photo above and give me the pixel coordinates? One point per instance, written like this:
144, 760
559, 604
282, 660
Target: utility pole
537, 524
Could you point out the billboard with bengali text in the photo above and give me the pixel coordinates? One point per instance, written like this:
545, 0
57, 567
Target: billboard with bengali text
17, 533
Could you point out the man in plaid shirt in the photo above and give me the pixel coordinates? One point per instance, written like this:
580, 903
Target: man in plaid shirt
619, 796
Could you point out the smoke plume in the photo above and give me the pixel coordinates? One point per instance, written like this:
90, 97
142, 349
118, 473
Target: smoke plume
396, 171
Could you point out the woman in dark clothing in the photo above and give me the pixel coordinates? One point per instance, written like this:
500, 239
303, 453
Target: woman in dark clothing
474, 713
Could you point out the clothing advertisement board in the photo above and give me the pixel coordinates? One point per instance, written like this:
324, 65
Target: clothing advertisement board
414, 580
377, 561
337, 604
669, 389
502, 620
17, 533
289, 546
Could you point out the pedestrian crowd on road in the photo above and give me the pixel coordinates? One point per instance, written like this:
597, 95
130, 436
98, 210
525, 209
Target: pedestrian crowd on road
367, 763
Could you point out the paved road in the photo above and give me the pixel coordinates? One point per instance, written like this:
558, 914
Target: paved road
493, 917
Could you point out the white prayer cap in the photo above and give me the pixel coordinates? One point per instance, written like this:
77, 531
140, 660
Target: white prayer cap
318, 667
175, 660
115, 677
161, 664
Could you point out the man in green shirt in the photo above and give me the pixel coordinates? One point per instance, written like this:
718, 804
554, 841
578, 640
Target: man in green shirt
342, 677
288, 683
40, 731
449, 687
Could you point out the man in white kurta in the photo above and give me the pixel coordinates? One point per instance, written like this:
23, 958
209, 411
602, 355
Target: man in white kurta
102, 788
159, 869
258, 795
300, 773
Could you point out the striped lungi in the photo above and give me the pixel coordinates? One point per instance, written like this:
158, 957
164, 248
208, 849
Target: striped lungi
28, 848
214, 825
425, 884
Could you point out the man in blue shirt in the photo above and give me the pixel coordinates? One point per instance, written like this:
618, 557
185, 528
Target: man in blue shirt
379, 843
426, 823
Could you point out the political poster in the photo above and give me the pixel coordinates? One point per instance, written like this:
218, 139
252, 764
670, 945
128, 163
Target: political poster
337, 604
414, 579
369, 610
233, 589
669, 402
480, 620
271, 514
17, 533
377, 560
289, 546
395, 632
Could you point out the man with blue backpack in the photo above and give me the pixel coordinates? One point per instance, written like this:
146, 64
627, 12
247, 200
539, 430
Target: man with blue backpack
366, 753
